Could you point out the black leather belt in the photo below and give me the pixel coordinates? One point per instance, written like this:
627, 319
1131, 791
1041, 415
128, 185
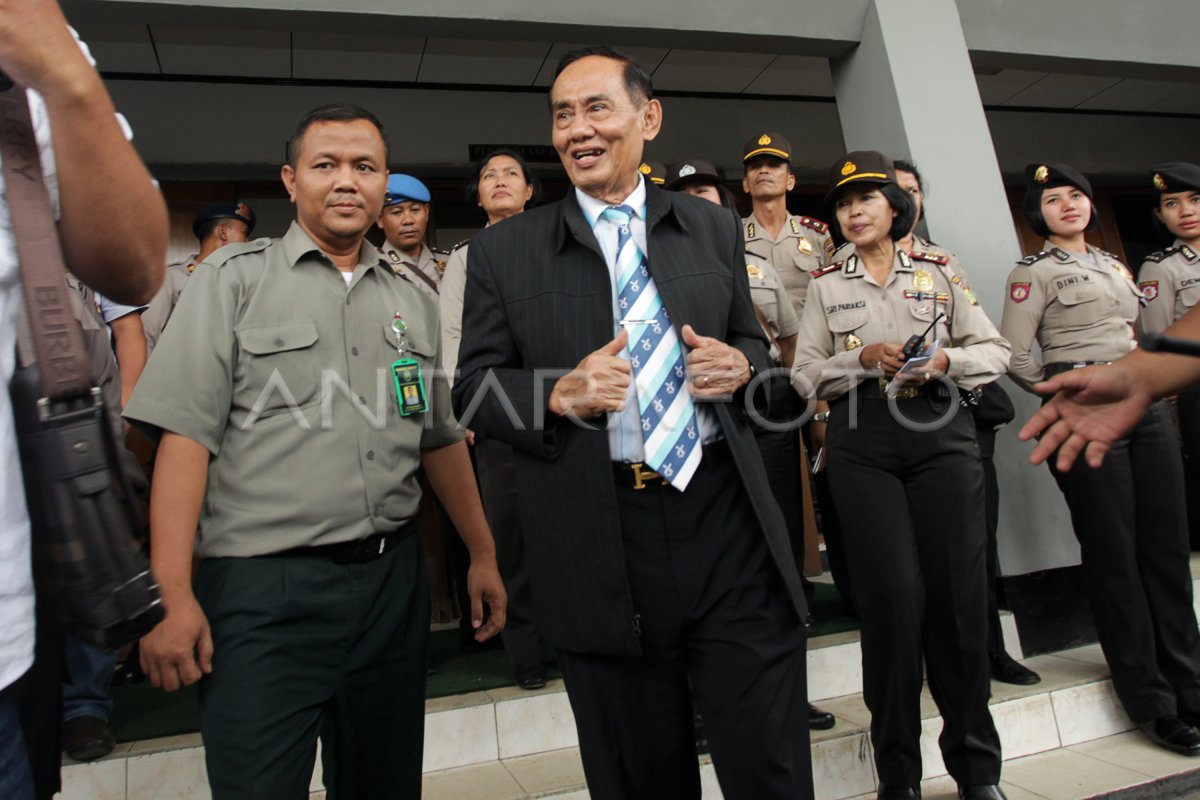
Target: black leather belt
638, 476
358, 551
877, 390
1059, 367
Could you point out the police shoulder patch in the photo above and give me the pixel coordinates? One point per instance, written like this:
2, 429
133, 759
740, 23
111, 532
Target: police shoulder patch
937, 258
816, 273
1162, 255
231, 251
1029, 261
815, 224
460, 245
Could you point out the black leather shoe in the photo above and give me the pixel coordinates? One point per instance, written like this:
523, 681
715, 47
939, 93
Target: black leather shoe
819, 720
530, 677
888, 792
1173, 734
1006, 670
982, 791
87, 738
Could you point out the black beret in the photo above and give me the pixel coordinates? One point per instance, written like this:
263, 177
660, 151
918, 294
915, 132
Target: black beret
1049, 175
239, 211
1175, 176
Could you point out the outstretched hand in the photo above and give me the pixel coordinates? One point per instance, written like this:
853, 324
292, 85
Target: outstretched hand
1091, 409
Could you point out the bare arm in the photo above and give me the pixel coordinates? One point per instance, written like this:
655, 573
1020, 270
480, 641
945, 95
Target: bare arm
179, 649
114, 222
129, 341
449, 472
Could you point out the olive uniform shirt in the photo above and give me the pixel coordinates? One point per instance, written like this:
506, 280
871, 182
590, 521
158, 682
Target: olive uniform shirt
1077, 311
1170, 282
804, 245
848, 310
769, 296
425, 273
450, 306
283, 372
162, 305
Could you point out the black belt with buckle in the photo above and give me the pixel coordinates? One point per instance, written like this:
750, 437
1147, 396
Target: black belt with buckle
639, 476
1059, 367
878, 391
358, 551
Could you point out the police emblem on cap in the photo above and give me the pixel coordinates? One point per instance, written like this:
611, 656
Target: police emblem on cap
645, 169
243, 210
686, 169
805, 247
849, 168
1159, 183
764, 139
853, 342
1042, 174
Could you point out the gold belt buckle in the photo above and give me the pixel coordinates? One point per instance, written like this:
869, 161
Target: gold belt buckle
642, 476
907, 393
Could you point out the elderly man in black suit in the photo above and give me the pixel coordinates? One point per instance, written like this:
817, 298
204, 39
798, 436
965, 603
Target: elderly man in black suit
609, 338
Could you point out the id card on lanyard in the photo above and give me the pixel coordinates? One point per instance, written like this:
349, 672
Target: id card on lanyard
406, 374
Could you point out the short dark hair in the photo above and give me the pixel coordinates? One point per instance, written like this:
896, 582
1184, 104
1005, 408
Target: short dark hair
727, 200
481, 165
207, 229
637, 80
333, 112
1033, 211
900, 201
900, 165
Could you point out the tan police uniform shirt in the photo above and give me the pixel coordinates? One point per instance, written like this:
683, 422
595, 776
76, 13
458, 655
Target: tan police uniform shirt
162, 305
1170, 282
848, 310
425, 273
284, 374
804, 245
769, 296
1076, 310
920, 245
450, 306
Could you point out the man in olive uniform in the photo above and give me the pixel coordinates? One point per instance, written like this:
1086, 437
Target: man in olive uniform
297, 397
794, 245
404, 221
217, 225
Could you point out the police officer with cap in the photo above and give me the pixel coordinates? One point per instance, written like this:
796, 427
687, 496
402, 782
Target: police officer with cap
794, 245
217, 225
1170, 282
1080, 304
910, 502
404, 221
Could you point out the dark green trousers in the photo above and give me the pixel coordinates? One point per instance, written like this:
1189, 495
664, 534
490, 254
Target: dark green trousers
306, 648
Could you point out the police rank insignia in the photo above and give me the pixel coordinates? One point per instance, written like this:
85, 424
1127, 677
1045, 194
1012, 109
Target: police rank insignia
1149, 289
753, 271
441, 266
1042, 174
805, 247
852, 342
922, 281
1019, 292
394, 256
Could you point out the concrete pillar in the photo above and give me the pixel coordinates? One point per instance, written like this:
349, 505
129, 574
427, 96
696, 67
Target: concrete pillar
908, 90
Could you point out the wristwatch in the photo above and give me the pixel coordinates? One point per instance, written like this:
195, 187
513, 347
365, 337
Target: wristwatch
820, 416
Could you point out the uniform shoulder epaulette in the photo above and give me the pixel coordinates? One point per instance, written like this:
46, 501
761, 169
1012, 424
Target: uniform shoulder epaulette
437, 251
1110, 255
937, 258
232, 251
1029, 261
460, 245
816, 273
815, 224
1162, 255
749, 228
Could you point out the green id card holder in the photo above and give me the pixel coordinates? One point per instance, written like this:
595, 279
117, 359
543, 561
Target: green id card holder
410, 389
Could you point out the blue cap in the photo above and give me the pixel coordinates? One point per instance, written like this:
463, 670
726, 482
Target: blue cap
402, 187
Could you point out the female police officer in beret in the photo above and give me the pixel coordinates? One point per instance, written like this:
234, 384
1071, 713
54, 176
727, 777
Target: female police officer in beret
906, 476
1170, 282
1080, 303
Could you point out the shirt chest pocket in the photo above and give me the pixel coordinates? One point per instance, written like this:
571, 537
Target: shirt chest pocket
763, 291
848, 320
278, 365
1188, 296
1081, 305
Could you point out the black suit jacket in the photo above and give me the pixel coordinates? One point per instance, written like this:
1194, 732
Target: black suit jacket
538, 300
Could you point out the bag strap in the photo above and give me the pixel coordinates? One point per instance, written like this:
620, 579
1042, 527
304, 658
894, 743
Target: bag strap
57, 337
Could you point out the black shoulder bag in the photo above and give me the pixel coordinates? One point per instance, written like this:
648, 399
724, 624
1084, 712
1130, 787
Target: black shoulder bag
79, 504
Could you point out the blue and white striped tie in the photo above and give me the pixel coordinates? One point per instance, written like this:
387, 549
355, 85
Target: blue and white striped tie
670, 432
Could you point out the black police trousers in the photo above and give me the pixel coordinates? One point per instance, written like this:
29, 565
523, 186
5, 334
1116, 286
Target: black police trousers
910, 497
1131, 525
1189, 430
